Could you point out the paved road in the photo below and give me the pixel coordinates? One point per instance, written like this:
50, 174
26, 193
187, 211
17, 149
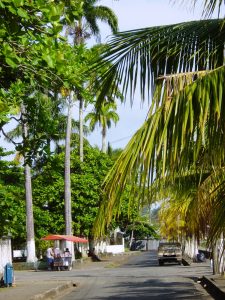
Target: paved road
140, 278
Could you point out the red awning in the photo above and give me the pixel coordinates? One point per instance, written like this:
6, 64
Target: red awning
72, 238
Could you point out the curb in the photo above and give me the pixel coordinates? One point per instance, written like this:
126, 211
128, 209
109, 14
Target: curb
185, 262
212, 288
55, 292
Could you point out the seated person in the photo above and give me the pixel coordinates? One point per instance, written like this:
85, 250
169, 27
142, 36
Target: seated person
57, 252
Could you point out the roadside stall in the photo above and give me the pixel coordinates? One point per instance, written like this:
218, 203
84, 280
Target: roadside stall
63, 259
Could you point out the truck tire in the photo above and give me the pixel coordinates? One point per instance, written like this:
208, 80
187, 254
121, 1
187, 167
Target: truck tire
161, 262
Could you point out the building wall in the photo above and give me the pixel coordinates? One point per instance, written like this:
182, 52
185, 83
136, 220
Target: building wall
153, 244
115, 249
104, 247
5, 253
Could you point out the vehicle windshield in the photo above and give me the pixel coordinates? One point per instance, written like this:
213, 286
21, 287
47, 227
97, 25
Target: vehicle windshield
169, 246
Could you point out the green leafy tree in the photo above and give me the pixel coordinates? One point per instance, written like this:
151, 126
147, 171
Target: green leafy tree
86, 179
141, 230
113, 153
12, 212
32, 60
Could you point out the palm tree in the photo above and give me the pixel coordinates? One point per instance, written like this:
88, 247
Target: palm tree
196, 200
85, 27
179, 211
26, 133
31, 253
104, 117
23, 130
187, 111
67, 188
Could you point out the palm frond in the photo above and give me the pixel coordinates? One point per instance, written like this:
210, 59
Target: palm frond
93, 13
14, 133
176, 126
139, 56
213, 205
209, 6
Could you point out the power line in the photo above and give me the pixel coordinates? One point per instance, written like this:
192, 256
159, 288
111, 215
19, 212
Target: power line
124, 138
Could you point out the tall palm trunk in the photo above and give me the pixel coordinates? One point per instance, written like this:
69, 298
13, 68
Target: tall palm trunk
68, 211
31, 256
67, 179
104, 148
81, 129
131, 238
191, 247
218, 256
79, 40
215, 259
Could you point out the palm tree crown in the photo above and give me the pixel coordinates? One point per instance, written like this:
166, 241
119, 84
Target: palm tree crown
87, 25
104, 116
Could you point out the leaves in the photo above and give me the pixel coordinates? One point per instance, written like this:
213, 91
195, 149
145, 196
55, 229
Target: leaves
86, 179
144, 54
12, 212
183, 65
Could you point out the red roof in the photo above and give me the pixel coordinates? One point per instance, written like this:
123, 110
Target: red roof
72, 238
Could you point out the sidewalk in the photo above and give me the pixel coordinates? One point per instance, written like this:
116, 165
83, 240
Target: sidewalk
213, 284
41, 283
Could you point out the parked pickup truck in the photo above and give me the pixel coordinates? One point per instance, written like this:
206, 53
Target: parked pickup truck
169, 252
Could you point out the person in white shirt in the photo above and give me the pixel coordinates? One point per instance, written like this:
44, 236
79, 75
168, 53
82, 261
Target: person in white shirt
50, 258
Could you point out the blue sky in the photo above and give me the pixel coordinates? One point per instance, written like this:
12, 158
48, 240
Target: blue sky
133, 14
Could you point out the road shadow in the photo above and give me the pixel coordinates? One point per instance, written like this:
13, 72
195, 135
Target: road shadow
152, 289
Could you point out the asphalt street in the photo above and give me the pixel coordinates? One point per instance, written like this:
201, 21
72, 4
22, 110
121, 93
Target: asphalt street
140, 278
